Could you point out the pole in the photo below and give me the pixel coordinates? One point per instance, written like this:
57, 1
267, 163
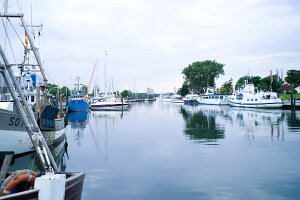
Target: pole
37, 56
35, 135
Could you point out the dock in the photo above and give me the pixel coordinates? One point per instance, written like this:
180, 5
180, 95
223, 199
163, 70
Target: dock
288, 104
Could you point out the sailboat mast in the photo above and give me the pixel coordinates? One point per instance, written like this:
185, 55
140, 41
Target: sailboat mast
5, 5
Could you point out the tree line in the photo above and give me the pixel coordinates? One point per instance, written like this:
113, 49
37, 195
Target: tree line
201, 75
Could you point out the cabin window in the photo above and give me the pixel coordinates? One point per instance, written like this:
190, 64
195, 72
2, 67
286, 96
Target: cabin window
255, 99
239, 96
32, 98
221, 97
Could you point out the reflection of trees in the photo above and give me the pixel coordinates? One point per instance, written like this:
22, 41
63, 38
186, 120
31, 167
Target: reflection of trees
292, 120
201, 127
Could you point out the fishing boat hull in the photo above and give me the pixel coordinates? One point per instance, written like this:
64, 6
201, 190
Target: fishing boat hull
13, 133
78, 106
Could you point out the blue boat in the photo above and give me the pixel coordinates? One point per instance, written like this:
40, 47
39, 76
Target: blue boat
78, 103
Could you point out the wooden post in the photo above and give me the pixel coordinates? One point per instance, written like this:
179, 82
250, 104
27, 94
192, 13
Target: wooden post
122, 102
60, 105
293, 101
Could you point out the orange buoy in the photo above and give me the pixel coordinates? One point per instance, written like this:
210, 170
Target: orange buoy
17, 179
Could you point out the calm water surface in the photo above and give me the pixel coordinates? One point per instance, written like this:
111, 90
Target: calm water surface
166, 151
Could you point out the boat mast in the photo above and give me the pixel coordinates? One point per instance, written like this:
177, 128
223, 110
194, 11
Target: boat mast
77, 84
38, 59
34, 133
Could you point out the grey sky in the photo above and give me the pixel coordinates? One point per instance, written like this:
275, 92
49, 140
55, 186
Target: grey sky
149, 42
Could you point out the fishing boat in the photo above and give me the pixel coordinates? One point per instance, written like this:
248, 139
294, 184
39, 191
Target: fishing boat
33, 83
51, 183
248, 98
109, 103
78, 100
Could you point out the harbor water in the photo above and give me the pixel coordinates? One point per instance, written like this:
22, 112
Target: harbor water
170, 151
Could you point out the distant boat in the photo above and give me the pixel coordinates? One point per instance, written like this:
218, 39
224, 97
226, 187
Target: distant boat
78, 103
176, 99
213, 99
165, 97
191, 99
108, 103
248, 98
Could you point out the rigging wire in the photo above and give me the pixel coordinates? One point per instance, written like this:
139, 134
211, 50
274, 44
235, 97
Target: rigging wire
6, 34
19, 6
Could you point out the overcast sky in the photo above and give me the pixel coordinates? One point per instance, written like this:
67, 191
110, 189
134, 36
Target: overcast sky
147, 43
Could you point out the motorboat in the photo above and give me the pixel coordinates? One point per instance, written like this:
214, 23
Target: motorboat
109, 103
176, 99
248, 98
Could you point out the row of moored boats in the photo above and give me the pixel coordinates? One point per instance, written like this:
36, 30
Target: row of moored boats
246, 96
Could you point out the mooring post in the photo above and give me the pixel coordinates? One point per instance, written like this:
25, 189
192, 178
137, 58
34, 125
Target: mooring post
122, 102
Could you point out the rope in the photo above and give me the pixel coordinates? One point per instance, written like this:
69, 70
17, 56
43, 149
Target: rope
6, 34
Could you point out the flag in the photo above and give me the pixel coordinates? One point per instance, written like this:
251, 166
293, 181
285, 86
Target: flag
26, 40
271, 76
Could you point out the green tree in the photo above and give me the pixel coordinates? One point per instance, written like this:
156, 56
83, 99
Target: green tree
56, 90
65, 91
267, 83
293, 77
84, 88
227, 87
126, 93
249, 79
184, 90
53, 89
202, 74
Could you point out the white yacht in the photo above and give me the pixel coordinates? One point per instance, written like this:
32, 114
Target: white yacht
176, 99
248, 98
108, 103
191, 99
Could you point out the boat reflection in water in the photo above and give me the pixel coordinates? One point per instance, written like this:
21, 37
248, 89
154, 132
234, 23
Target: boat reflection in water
78, 119
201, 123
210, 123
30, 161
252, 121
78, 122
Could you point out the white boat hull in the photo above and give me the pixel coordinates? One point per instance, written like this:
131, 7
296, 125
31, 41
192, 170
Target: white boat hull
256, 105
109, 106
